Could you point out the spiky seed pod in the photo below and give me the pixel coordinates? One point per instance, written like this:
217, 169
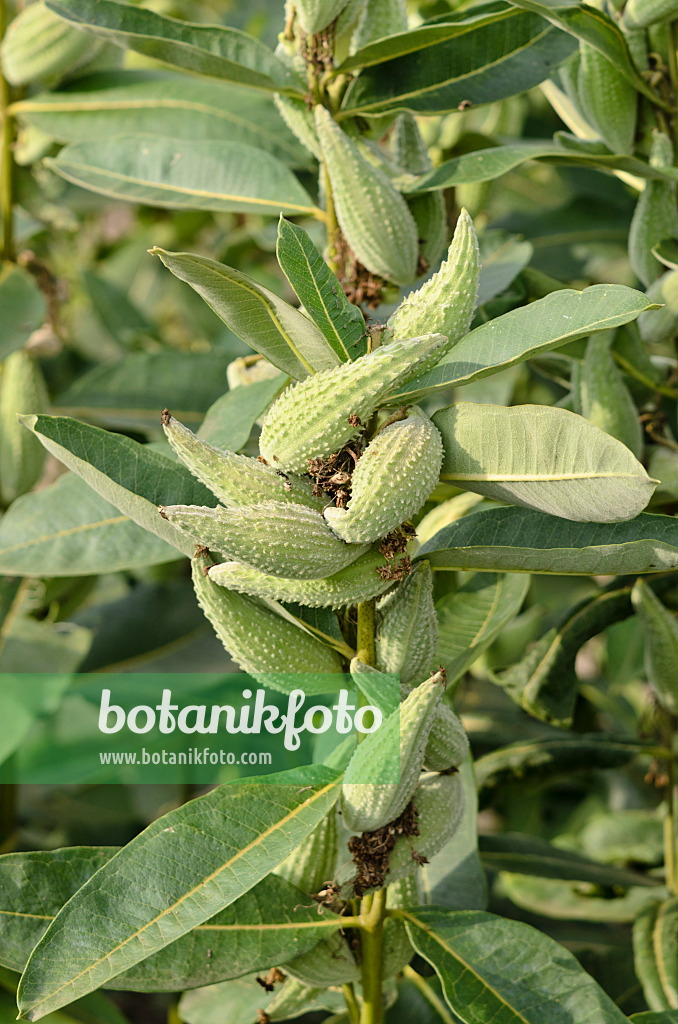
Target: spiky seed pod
447, 743
392, 480
236, 480
655, 216
22, 390
319, 415
643, 13
367, 577
372, 214
366, 807
379, 18
439, 800
261, 642
313, 862
315, 15
40, 45
275, 537
660, 325
299, 120
331, 962
407, 627
608, 100
446, 302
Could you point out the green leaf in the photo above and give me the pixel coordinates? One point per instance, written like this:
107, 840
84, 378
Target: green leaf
182, 870
553, 758
177, 106
130, 393
491, 163
31, 646
542, 458
112, 464
470, 618
493, 968
595, 28
502, 258
512, 540
320, 292
652, 1017
485, 60
198, 174
514, 337
228, 422
22, 308
661, 644
214, 50
565, 901
67, 529
530, 855
270, 325
270, 924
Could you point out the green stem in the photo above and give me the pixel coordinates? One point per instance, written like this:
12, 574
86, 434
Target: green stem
331, 225
6, 162
372, 940
429, 995
351, 1003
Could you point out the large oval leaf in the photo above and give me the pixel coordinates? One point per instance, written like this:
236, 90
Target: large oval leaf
199, 174
541, 458
495, 969
207, 49
112, 103
182, 870
513, 540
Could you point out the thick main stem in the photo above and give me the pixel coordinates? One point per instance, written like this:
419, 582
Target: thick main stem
373, 910
6, 162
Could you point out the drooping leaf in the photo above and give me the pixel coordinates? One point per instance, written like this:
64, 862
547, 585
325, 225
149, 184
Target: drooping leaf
514, 337
320, 292
542, 458
270, 924
495, 968
67, 529
513, 540
565, 901
471, 617
177, 106
133, 477
131, 393
270, 325
213, 50
182, 870
491, 58
194, 174
22, 308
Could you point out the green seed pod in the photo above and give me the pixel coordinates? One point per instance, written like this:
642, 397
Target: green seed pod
660, 325
40, 45
372, 214
605, 398
608, 100
235, 479
397, 949
331, 962
439, 800
315, 15
446, 302
447, 743
379, 18
642, 13
655, 217
407, 627
275, 537
261, 642
313, 862
366, 807
367, 577
22, 390
319, 415
660, 629
392, 480
299, 120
